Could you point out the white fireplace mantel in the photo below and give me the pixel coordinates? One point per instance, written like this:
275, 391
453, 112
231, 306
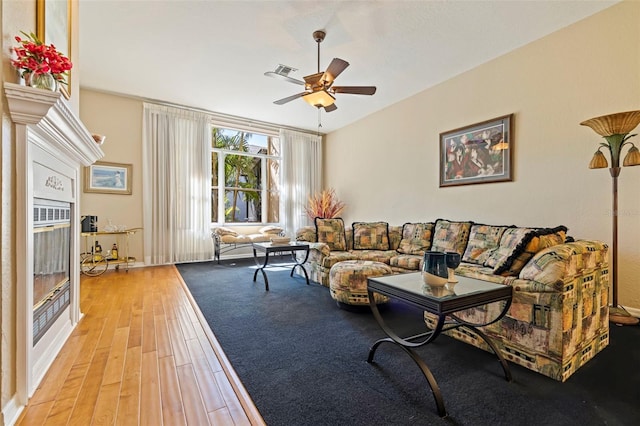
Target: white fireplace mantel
51, 142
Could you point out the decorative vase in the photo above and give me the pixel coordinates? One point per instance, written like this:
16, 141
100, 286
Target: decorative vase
434, 269
41, 81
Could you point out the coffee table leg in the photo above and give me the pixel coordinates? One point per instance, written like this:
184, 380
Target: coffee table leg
261, 268
406, 346
494, 348
300, 264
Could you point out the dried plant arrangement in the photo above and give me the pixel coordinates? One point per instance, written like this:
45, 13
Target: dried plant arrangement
324, 204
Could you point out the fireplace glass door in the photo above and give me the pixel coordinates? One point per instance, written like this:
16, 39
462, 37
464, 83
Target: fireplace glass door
52, 251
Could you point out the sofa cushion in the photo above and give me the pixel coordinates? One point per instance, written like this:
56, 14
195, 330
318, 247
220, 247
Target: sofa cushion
382, 256
450, 236
512, 243
406, 261
331, 232
416, 238
370, 235
335, 257
483, 241
543, 238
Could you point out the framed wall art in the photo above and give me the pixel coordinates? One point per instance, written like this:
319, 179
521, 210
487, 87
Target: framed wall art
108, 178
53, 26
479, 153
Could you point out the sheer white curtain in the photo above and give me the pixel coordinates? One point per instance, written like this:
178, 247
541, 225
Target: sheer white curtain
176, 185
301, 177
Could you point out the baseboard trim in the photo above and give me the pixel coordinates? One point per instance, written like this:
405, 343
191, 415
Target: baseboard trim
11, 411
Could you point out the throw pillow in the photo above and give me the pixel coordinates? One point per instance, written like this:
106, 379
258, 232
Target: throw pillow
271, 229
331, 232
543, 238
512, 243
225, 231
483, 241
370, 235
416, 238
450, 236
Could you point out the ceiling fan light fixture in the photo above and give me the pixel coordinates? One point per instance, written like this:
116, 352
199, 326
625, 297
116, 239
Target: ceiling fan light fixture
320, 98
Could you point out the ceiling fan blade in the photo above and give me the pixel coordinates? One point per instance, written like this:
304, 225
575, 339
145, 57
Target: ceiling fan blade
312, 79
335, 68
284, 77
355, 90
289, 98
330, 108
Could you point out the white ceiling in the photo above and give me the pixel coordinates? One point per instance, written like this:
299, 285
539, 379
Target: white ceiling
213, 54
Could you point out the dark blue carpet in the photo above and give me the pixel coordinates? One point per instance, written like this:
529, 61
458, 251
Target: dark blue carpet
303, 361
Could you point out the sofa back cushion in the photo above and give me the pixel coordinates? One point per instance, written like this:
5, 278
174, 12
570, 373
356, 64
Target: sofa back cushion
450, 236
331, 232
483, 241
543, 238
370, 235
512, 244
416, 238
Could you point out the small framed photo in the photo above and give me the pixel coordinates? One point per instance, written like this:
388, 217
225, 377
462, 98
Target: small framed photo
108, 178
479, 153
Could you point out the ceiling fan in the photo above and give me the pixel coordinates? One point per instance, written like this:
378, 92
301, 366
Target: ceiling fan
319, 90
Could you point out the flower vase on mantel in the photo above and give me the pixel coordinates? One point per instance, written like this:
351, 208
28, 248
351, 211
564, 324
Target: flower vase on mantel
41, 81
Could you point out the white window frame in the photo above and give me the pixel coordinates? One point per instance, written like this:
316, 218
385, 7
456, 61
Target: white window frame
222, 153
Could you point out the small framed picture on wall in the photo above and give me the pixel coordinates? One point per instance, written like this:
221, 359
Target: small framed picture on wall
479, 153
108, 178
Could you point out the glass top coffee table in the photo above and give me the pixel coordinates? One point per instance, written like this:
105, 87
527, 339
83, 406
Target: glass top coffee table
442, 302
270, 248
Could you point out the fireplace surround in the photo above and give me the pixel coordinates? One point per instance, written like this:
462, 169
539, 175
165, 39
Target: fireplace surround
52, 146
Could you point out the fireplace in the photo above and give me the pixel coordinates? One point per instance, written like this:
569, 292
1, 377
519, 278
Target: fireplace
51, 257
51, 147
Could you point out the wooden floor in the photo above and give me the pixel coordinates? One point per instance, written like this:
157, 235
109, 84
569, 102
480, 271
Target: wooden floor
142, 354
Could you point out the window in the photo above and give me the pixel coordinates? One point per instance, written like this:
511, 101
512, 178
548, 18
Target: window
245, 177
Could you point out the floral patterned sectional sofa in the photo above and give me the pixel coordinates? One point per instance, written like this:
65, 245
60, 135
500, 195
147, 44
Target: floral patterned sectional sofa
559, 317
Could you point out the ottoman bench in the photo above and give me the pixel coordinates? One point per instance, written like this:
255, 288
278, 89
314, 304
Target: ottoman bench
348, 281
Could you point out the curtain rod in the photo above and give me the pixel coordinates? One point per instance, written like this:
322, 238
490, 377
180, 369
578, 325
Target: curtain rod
223, 118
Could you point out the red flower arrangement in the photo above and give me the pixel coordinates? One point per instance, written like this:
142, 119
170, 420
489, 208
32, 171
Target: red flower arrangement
33, 56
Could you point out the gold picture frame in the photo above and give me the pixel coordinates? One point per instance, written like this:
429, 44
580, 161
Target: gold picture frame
53, 26
108, 178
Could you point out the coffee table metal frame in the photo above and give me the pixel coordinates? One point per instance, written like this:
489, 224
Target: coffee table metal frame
467, 293
270, 248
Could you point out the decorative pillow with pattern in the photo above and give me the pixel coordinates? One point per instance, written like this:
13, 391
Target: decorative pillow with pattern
483, 241
544, 238
331, 232
370, 235
416, 238
512, 243
450, 236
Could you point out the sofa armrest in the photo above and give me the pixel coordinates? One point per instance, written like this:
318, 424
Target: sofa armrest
306, 233
561, 264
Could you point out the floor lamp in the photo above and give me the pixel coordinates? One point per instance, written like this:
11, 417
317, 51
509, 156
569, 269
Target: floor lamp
615, 129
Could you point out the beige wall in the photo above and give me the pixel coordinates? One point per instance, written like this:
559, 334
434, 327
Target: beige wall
120, 120
385, 167
16, 16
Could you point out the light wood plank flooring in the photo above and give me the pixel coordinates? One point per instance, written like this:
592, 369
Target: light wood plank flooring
142, 354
